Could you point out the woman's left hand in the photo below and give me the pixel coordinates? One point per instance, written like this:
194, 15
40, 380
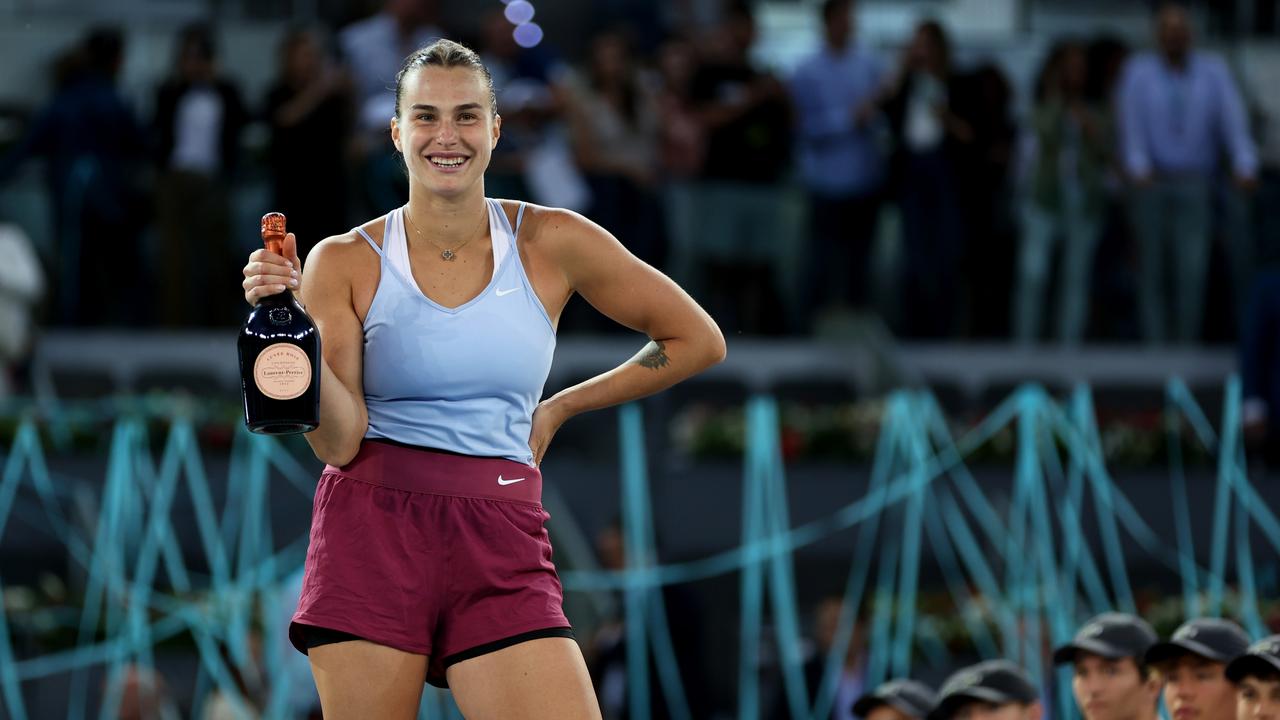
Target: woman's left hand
547, 419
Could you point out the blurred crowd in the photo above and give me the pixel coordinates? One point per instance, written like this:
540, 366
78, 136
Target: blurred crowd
1112, 200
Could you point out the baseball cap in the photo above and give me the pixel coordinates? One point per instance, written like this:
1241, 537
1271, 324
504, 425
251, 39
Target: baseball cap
1263, 658
1210, 638
995, 681
909, 696
1109, 635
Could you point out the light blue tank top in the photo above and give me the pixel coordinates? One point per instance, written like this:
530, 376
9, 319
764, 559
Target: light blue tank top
463, 379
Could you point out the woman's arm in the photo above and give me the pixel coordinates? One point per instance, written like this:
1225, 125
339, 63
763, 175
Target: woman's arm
683, 339
343, 416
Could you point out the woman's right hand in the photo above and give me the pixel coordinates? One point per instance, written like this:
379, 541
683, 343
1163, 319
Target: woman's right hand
270, 274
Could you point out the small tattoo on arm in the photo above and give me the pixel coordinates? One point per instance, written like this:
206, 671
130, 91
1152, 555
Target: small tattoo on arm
653, 356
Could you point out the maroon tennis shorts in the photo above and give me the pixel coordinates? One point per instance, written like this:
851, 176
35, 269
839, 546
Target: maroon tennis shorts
431, 553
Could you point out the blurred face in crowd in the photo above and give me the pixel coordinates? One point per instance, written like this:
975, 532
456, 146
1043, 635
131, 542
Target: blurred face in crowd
446, 128
1075, 70
195, 61
826, 622
676, 63
989, 711
612, 548
496, 38
925, 53
609, 58
1113, 689
887, 712
302, 58
740, 31
1173, 33
1196, 689
1258, 698
839, 24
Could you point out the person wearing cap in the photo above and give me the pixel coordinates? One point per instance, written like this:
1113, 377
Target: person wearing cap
1110, 676
896, 700
1256, 676
1193, 663
991, 690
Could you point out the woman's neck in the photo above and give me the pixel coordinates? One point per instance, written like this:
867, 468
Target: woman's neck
446, 221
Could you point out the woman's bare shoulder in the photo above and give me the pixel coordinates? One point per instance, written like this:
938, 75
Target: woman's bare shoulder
543, 225
350, 250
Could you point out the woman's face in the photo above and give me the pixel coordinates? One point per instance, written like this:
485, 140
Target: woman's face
446, 128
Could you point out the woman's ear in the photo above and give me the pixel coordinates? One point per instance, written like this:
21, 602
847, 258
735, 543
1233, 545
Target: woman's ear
395, 135
497, 131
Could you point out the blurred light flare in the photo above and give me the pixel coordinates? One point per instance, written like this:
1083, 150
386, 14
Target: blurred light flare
519, 12
528, 34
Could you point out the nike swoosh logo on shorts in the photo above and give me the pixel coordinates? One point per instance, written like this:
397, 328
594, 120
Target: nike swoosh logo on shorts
512, 481
500, 293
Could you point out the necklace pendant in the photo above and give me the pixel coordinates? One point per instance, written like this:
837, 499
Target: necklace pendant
448, 255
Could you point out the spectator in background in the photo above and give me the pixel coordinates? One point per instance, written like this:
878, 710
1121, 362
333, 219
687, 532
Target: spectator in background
851, 679
95, 153
243, 700
308, 111
928, 133
1066, 202
373, 50
607, 649
682, 149
897, 699
746, 119
1110, 676
21, 287
683, 144
1256, 676
535, 160
1179, 107
1260, 366
1192, 664
199, 118
835, 92
646, 22
983, 169
613, 117
1113, 278
990, 690
140, 693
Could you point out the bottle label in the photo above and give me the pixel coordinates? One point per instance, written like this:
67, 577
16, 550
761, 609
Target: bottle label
282, 371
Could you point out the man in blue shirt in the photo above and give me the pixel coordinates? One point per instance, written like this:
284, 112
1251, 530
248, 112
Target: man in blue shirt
1179, 111
834, 93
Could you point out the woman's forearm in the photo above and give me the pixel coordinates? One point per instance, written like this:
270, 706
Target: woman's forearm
659, 365
343, 421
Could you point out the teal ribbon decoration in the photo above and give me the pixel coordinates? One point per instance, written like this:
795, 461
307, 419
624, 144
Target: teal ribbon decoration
646, 625
918, 475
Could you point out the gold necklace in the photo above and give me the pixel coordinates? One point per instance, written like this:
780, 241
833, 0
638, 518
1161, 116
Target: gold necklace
449, 254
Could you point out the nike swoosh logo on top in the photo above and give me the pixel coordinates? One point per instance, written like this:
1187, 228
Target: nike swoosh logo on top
512, 481
500, 293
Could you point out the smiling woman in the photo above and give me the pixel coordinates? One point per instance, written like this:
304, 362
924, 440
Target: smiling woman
428, 558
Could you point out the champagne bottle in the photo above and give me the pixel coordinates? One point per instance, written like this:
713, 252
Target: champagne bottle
279, 356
